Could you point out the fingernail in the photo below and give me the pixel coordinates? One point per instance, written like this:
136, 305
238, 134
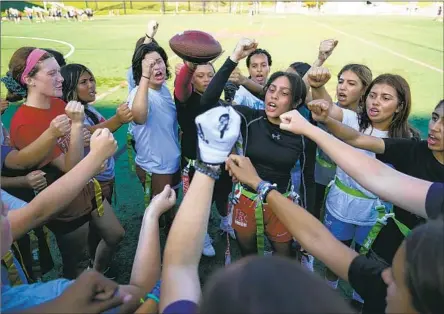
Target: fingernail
127, 298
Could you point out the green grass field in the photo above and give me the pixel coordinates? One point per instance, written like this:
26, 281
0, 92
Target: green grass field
409, 46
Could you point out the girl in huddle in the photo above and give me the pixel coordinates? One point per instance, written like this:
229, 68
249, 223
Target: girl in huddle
420, 159
353, 80
271, 150
35, 75
351, 210
191, 82
79, 84
155, 127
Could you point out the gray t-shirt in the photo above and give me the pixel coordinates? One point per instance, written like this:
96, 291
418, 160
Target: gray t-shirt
157, 141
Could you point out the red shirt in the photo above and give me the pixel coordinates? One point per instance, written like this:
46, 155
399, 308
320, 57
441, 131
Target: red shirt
28, 123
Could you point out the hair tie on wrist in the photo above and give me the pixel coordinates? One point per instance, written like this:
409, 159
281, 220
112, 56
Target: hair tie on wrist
147, 77
153, 297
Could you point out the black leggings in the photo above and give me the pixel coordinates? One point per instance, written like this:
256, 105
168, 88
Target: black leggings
319, 201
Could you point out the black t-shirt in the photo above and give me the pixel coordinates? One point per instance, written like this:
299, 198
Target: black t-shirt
186, 114
273, 152
364, 275
435, 200
415, 159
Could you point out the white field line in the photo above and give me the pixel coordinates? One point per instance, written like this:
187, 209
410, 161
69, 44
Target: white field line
373, 44
71, 47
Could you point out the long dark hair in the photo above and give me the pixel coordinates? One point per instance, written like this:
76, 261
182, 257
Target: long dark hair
424, 266
140, 53
297, 87
71, 74
399, 127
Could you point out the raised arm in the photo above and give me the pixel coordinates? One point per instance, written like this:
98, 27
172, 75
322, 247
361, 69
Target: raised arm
146, 265
304, 227
214, 90
180, 278
75, 153
402, 190
36, 152
256, 89
182, 85
326, 48
123, 116
140, 104
151, 31
183, 250
54, 198
320, 112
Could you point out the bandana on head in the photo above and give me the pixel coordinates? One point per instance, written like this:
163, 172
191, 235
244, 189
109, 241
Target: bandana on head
31, 61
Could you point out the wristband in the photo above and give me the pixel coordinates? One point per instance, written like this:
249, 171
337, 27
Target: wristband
147, 77
263, 188
213, 171
148, 36
152, 297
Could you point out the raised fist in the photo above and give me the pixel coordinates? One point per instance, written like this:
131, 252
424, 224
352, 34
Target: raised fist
147, 67
318, 77
124, 114
60, 126
244, 47
236, 77
103, 143
151, 28
326, 48
75, 111
320, 109
177, 68
217, 129
36, 180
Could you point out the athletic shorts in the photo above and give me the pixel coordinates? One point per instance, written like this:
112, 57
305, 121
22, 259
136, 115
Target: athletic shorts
107, 190
244, 221
344, 231
222, 187
158, 181
77, 213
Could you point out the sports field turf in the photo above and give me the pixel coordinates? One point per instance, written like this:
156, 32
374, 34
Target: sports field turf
409, 46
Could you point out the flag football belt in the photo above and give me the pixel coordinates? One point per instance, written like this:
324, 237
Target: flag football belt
383, 215
324, 163
258, 213
381, 222
98, 197
186, 175
8, 259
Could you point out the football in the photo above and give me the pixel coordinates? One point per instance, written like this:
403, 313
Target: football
195, 46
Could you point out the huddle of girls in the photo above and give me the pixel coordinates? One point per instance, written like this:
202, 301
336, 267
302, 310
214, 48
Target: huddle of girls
371, 115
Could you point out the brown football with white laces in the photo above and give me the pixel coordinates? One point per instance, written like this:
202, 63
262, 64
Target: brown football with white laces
195, 46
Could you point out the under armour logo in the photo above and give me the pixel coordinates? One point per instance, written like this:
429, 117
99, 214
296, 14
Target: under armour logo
276, 136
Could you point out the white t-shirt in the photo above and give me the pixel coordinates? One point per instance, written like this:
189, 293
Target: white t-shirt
346, 207
245, 98
157, 141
